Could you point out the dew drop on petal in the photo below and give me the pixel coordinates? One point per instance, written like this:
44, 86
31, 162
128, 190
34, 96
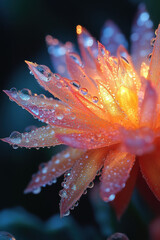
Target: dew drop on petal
118, 236
37, 190
25, 94
13, 91
77, 59
95, 99
66, 213
16, 137
76, 84
30, 128
84, 91
59, 116
6, 236
111, 197
35, 110
91, 185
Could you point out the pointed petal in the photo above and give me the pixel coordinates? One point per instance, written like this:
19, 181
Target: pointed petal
148, 109
88, 48
58, 165
55, 84
111, 37
40, 137
141, 36
154, 71
92, 139
52, 111
127, 75
139, 141
82, 173
77, 71
122, 199
150, 168
116, 171
57, 52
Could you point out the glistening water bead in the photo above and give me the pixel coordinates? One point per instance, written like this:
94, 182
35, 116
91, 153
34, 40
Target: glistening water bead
16, 137
25, 94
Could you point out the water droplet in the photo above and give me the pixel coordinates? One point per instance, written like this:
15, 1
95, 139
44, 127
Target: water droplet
59, 116
13, 92
111, 197
44, 170
25, 94
56, 76
35, 110
74, 187
37, 190
76, 58
67, 155
76, 84
84, 91
42, 96
14, 146
91, 185
30, 128
16, 137
95, 99
118, 236
6, 236
66, 213
45, 73
40, 69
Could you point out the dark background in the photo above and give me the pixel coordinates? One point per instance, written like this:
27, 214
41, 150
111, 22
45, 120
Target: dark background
23, 27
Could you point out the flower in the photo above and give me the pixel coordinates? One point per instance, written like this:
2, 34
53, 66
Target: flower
106, 109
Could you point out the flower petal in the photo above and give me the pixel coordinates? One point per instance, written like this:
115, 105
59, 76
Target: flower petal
57, 52
77, 71
138, 141
92, 139
88, 48
82, 173
122, 198
111, 37
154, 71
150, 168
54, 112
55, 84
148, 112
116, 171
48, 172
141, 35
40, 137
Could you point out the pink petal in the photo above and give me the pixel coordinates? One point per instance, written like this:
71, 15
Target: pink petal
122, 199
154, 71
77, 71
57, 52
82, 173
92, 139
111, 37
148, 108
52, 111
127, 76
88, 48
55, 84
141, 36
54, 168
138, 141
116, 171
40, 137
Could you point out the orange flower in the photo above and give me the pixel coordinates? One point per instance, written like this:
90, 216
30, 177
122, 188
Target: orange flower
107, 111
